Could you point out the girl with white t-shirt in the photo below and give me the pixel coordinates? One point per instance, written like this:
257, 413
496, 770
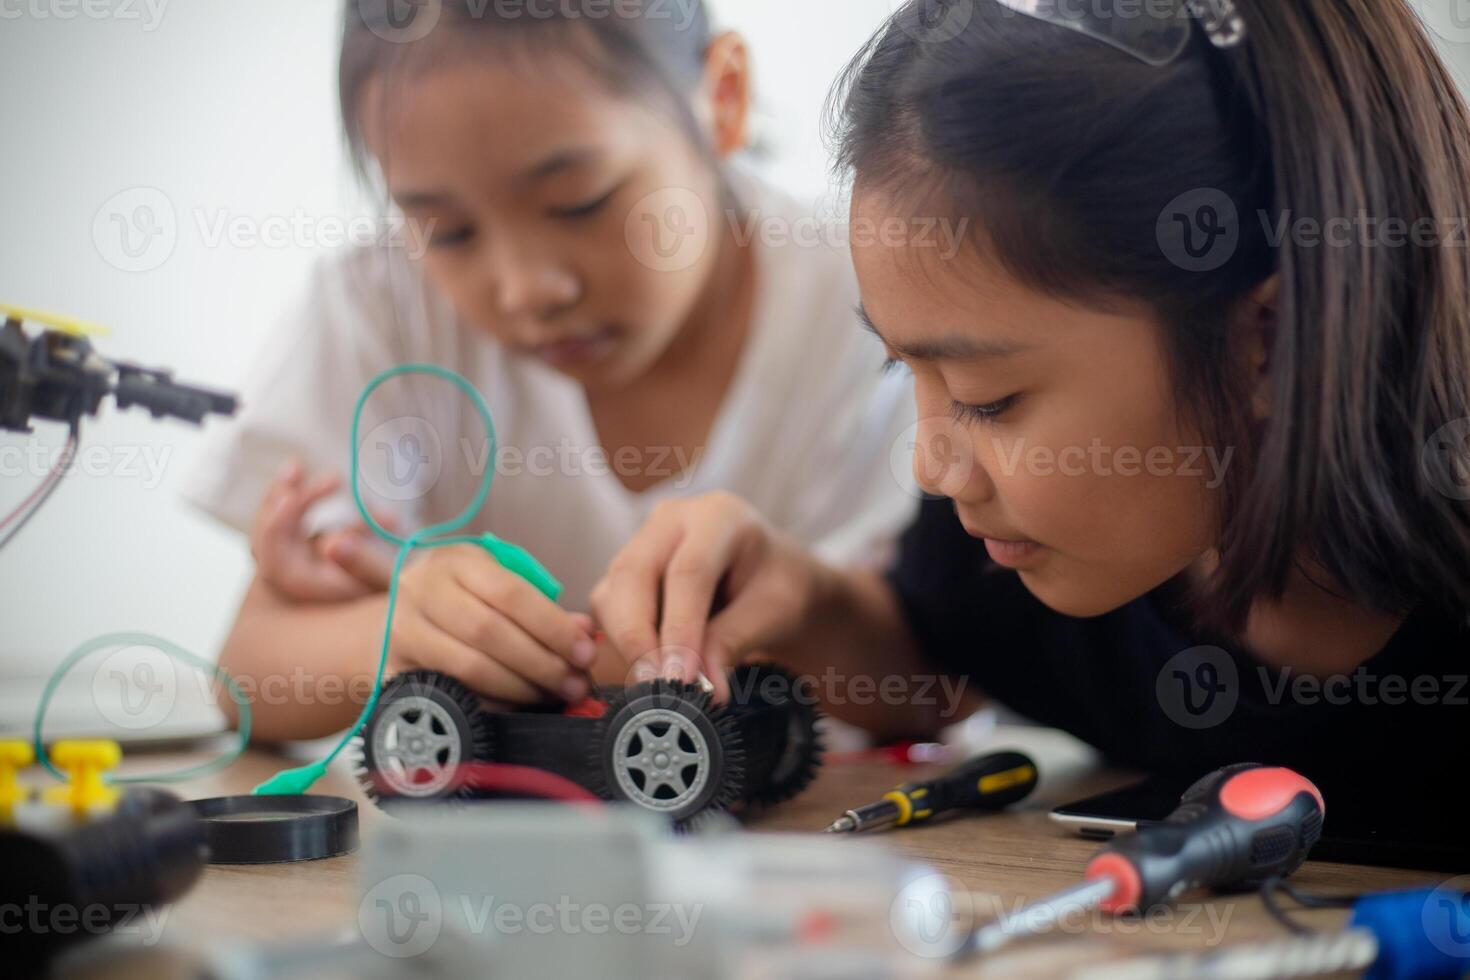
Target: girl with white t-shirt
644, 320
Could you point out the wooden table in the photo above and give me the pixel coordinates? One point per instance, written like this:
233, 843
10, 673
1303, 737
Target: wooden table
1001, 858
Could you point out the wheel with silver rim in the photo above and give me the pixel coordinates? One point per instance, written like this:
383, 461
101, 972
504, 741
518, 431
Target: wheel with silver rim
663, 748
661, 760
417, 750
426, 728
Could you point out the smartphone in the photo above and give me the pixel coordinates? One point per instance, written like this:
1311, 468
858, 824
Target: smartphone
1350, 838
1118, 811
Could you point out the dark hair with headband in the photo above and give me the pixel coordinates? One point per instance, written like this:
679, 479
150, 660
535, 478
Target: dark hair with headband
1071, 154
634, 46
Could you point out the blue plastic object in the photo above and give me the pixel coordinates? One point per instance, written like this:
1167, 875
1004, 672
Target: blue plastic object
1422, 934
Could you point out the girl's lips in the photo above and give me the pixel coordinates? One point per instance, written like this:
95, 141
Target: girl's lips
1003, 551
1011, 554
577, 351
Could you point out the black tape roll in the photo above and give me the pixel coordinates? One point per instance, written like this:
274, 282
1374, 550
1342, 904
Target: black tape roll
276, 829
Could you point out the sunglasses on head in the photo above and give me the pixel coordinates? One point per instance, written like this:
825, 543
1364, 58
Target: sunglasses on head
1153, 31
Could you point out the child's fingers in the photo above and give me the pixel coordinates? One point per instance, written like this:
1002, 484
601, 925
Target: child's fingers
288, 500
717, 669
353, 553
322, 581
301, 500
547, 624
270, 537
700, 561
270, 522
387, 519
462, 615
277, 490
442, 651
741, 627
626, 601
604, 654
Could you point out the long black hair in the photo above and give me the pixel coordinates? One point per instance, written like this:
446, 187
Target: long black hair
1069, 154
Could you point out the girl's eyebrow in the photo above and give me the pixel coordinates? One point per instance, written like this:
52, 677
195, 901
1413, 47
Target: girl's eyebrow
421, 199
555, 163
559, 162
955, 347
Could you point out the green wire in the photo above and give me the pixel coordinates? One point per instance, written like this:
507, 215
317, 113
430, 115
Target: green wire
172, 650
422, 538
426, 538
298, 780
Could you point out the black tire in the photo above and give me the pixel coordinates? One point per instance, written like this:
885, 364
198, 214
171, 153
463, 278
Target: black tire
793, 751
664, 747
426, 727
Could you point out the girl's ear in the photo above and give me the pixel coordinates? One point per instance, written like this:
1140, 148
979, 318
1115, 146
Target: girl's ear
1255, 327
726, 92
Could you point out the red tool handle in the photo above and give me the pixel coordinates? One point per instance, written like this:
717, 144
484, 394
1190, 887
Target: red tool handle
1232, 829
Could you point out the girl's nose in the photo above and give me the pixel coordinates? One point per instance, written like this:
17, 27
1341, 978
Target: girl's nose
533, 289
945, 464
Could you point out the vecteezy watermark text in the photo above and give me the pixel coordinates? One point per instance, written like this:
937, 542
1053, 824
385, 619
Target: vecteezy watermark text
1201, 230
147, 12
138, 229
671, 229
1201, 687
944, 235
406, 21
35, 460
403, 916
404, 458
934, 915
37, 917
1097, 459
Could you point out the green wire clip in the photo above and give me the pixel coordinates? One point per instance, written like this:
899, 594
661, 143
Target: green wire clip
523, 563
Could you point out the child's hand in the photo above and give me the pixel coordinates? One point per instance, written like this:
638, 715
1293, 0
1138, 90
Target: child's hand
460, 612
331, 567
703, 584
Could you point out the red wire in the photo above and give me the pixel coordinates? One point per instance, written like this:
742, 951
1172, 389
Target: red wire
899, 754
497, 777
51, 477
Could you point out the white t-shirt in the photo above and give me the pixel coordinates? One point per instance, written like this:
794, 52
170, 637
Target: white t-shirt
809, 431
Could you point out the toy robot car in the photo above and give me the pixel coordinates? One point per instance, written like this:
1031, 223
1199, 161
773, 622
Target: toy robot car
664, 746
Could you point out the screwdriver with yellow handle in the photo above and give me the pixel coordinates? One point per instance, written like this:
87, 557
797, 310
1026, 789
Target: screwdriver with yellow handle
988, 782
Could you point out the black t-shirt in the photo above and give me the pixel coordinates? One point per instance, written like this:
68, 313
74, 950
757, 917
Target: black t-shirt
1149, 696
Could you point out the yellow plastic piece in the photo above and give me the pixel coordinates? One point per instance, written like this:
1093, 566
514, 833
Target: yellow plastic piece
14, 756
65, 324
998, 781
85, 762
904, 804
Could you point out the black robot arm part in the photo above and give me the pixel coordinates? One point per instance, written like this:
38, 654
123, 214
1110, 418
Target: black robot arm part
61, 377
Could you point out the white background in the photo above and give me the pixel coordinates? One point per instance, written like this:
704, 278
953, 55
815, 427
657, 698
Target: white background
227, 110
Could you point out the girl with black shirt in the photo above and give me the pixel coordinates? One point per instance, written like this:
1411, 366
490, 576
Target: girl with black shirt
1194, 397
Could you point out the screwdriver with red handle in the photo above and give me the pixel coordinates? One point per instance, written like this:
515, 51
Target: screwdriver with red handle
1232, 829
